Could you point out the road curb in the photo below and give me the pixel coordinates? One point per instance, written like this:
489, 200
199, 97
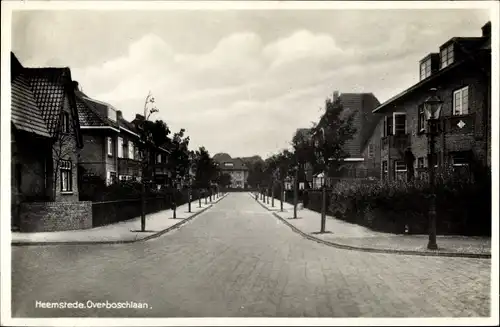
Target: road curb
373, 250
158, 234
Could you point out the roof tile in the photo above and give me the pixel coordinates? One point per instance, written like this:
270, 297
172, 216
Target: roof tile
25, 113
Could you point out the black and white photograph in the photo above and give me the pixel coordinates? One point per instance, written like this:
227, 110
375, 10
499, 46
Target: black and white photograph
249, 163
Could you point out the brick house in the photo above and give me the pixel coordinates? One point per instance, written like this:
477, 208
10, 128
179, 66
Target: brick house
158, 155
461, 74
111, 149
100, 130
357, 164
45, 143
236, 168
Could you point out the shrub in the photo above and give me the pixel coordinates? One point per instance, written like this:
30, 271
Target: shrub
463, 204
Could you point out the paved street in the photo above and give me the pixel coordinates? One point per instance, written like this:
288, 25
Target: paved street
237, 260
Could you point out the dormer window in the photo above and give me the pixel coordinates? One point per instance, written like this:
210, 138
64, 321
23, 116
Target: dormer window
228, 164
425, 69
111, 114
447, 56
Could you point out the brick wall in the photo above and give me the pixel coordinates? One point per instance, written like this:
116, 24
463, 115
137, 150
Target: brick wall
55, 216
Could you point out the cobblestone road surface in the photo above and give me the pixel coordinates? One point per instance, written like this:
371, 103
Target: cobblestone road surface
237, 260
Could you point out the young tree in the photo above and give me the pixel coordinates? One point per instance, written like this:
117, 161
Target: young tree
146, 141
225, 180
331, 134
179, 159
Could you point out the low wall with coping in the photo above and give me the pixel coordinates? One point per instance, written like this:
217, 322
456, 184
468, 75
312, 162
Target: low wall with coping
55, 216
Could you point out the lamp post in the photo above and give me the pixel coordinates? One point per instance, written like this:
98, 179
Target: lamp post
272, 194
323, 161
282, 193
199, 198
295, 190
432, 110
323, 204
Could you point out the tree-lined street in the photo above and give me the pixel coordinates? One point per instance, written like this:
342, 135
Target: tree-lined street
238, 260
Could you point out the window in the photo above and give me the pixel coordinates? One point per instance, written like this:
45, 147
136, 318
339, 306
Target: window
228, 164
399, 166
65, 122
131, 150
459, 159
65, 168
399, 123
120, 147
111, 178
420, 162
447, 56
388, 126
399, 170
421, 119
371, 151
158, 158
425, 69
461, 101
110, 146
384, 166
111, 113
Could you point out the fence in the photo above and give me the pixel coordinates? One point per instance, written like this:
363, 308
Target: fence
109, 212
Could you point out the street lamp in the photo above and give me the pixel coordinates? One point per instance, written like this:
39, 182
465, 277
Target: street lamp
322, 180
432, 110
295, 190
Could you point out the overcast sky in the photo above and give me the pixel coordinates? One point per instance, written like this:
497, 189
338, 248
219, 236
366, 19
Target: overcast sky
240, 82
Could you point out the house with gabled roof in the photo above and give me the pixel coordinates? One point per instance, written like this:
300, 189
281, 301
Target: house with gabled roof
461, 73
45, 144
235, 167
357, 164
111, 150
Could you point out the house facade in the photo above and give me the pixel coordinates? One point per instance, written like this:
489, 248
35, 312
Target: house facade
357, 164
46, 143
461, 74
236, 168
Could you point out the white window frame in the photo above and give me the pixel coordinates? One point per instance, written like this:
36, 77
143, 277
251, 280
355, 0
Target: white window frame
158, 158
396, 166
423, 162
460, 92
131, 150
426, 65
120, 147
386, 168
459, 164
110, 146
66, 169
447, 50
421, 114
394, 121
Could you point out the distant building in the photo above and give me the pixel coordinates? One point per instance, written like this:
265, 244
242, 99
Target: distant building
236, 168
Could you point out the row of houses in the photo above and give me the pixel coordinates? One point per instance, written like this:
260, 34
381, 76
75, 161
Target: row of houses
60, 138
391, 141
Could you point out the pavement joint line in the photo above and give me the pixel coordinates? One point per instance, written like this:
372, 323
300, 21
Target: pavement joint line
155, 235
373, 250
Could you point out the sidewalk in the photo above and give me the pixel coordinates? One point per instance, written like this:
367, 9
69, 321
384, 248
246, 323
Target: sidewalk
123, 232
355, 237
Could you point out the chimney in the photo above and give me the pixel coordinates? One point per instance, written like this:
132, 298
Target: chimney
486, 29
335, 96
139, 117
76, 86
119, 114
